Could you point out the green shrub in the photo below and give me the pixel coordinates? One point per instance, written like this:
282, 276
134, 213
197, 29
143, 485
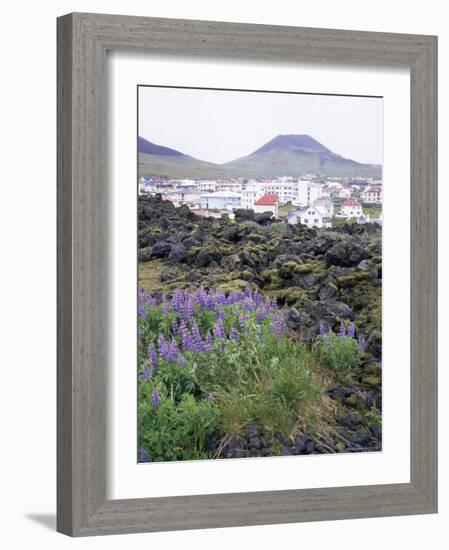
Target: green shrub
341, 354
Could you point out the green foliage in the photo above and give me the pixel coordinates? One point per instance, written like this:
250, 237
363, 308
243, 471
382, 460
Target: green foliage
341, 354
263, 375
175, 430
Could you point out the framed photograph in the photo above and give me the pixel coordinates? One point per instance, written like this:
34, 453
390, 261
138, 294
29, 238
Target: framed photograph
247, 274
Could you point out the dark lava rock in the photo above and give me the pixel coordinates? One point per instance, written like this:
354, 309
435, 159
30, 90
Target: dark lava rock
361, 438
167, 274
178, 252
241, 214
328, 292
311, 447
263, 217
376, 431
254, 443
304, 445
306, 281
345, 254
374, 344
322, 245
160, 249
285, 451
204, 258
144, 254
363, 265
235, 448
339, 392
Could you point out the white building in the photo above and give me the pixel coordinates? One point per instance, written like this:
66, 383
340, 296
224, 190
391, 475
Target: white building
184, 195
372, 195
307, 193
267, 203
351, 208
250, 195
234, 186
311, 216
344, 193
207, 186
146, 187
221, 200
327, 205
286, 191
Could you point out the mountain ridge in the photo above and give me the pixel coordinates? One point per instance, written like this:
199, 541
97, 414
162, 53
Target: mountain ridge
284, 155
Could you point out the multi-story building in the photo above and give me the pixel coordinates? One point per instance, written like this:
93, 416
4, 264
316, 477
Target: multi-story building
284, 190
221, 200
207, 186
372, 195
307, 192
250, 194
184, 195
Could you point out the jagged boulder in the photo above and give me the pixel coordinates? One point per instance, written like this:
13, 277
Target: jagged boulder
345, 254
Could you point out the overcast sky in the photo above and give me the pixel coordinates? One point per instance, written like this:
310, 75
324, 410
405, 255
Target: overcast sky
220, 126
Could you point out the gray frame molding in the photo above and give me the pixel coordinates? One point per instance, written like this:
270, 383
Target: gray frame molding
83, 40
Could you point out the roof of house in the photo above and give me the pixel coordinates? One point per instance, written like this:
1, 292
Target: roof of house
374, 190
351, 202
267, 200
221, 195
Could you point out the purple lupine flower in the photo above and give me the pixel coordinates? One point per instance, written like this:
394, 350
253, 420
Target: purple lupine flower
147, 371
210, 397
208, 343
202, 298
249, 305
152, 355
147, 298
278, 325
187, 342
155, 399
220, 313
261, 315
274, 303
351, 330
322, 329
257, 298
143, 455
267, 305
177, 301
248, 293
234, 335
188, 308
342, 329
362, 343
164, 304
197, 337
181, 360
141, 311
175, 326
171, 352
219, 331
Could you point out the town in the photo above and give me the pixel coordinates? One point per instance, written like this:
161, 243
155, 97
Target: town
312, 200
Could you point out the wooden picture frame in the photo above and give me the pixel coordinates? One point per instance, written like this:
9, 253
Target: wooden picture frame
83, 40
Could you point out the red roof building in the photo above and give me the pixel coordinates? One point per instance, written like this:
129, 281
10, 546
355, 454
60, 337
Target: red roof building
267, 200
351, 202
374, 190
